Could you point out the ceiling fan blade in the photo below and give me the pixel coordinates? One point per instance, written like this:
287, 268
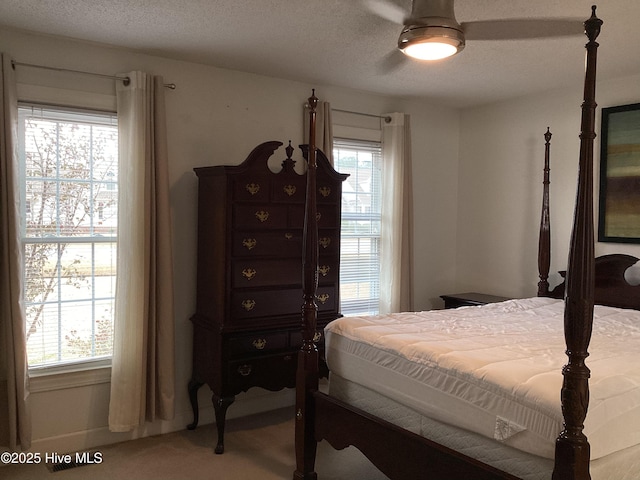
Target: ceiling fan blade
391, 62
386, 9
522, 29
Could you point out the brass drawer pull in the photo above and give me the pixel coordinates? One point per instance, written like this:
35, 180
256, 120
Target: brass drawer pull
288, 236
324, 270
259, 343
325, 242
253, 188
323, 298
249, 273
317, 337
325, 191
318, 216
262, 215
244, 370
249, 243
249, 305
289, 190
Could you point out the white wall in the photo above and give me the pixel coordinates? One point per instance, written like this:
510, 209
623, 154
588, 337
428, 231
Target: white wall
500, 185
217, 116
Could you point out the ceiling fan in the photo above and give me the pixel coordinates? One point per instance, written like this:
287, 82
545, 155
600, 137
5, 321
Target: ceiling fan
431, 31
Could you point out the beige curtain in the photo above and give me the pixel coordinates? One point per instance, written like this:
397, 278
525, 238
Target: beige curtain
396, 249
14, 371
142, 377
324, 129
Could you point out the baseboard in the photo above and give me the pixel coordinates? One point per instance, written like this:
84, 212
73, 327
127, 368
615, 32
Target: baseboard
246, 404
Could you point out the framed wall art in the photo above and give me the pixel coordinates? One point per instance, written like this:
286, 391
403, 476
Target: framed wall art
619, 213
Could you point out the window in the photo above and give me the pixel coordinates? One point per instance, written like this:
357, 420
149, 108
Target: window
69, 167
360, 234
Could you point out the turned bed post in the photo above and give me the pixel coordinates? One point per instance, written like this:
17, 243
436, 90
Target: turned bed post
572, 447
307, 374
544, 239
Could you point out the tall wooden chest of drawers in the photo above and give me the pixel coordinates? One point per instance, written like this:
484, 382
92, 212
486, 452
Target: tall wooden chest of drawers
247, 325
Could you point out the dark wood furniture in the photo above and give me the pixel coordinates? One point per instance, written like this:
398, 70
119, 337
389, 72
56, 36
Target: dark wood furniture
401, 454
470, 299
246, 329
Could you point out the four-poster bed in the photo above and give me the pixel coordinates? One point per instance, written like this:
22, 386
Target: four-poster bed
407, 453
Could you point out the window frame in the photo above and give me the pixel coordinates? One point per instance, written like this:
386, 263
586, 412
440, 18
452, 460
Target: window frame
81, 114
368, 305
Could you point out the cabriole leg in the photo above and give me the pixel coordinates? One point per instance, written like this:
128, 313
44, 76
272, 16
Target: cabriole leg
193, 387
220, 405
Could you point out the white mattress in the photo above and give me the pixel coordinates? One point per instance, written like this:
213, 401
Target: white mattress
621, 465
496, 370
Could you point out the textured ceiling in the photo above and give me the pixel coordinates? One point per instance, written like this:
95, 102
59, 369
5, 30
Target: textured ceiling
340, 42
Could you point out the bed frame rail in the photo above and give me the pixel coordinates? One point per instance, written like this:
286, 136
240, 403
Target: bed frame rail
395, 451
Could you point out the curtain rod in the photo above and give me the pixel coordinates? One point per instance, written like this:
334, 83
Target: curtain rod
126, 80
386, 118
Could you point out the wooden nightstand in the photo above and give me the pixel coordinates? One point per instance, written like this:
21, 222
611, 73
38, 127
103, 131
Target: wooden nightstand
470, 299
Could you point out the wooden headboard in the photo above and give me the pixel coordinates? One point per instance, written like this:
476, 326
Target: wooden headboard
611, 287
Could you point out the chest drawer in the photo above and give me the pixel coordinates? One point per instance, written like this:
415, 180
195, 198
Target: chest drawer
289, 190
327, 216
285, 242
328, 242
251, 188
327, 299
272, 372
296, 338
261, 216
255, 303
258, 343
262, 273
327, 189
260, 243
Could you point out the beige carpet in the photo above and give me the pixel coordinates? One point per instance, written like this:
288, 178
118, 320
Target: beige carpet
256, 447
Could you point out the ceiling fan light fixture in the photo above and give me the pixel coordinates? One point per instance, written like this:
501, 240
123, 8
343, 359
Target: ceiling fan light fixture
431, 43
431, 50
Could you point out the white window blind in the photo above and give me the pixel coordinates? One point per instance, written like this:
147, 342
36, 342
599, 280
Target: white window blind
69, 171
360, 233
